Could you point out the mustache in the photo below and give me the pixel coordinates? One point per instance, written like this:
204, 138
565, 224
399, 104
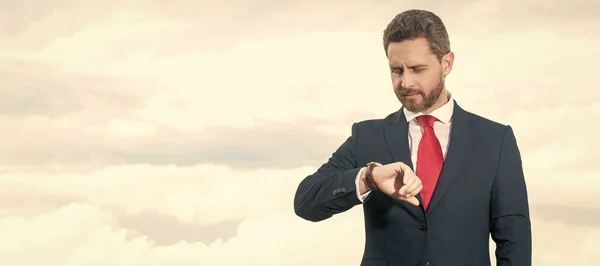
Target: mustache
406, 92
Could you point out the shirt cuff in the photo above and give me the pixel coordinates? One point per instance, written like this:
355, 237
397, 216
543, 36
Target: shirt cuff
362, 197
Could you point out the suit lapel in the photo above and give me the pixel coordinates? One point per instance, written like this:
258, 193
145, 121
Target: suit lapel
460, 146
396, 136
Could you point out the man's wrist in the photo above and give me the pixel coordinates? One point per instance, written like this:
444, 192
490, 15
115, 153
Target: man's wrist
368, 176
361, 183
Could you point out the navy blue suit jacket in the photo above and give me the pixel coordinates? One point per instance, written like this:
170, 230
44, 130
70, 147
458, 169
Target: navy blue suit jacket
481, 191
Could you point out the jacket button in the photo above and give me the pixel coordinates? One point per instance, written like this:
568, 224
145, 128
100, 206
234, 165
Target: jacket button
423, 227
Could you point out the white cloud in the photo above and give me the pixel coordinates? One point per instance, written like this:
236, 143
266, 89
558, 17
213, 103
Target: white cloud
80, 234
125, 128
207, 194
323, 75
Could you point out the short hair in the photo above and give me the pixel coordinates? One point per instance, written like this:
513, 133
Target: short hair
415, 23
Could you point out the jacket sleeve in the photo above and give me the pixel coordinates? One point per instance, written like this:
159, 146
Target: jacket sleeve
332, 188
510, 221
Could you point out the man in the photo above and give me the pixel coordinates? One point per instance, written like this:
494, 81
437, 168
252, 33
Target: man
467, 182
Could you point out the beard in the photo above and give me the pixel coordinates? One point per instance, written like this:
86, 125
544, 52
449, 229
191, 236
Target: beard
422, 102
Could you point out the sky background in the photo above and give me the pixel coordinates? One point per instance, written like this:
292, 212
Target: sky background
159, 133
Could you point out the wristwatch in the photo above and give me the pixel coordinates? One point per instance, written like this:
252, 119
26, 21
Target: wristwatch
369, 175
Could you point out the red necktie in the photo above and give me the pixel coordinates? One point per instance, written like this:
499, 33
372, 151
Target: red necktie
429, 158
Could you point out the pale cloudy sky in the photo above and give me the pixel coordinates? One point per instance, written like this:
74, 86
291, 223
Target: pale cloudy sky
163, 133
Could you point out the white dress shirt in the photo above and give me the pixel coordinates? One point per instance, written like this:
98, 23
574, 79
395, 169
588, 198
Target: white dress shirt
441, 128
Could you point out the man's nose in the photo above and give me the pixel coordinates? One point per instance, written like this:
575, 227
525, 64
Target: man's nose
407, 81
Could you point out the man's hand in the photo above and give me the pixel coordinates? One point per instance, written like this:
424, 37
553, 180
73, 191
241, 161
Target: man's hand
397, 180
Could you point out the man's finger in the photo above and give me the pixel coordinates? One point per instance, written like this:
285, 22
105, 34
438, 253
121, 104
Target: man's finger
414, 189
410, 183
413, 201
413, 185
403, 189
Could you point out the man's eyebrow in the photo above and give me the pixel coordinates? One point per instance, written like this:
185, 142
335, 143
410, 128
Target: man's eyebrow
412, 66
417, 66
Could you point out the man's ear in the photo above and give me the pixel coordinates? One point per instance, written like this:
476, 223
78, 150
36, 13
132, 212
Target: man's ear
447, 62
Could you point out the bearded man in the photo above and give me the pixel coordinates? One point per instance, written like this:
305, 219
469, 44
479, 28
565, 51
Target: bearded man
435, 181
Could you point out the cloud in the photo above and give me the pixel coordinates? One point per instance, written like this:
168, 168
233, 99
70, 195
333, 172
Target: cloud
25, 202
245, 20
34, 89
572, 18
204, 194
84, 233
32, 25
166, 230
127, 141
578, 247
76, 240
162, 107
21, 200
527, 78
572, 215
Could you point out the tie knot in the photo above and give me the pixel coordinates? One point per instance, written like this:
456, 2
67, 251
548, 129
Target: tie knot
426, 120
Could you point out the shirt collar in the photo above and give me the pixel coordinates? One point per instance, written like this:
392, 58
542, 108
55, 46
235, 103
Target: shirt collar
443, 114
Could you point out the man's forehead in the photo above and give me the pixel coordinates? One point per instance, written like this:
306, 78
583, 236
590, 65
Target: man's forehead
407, 61
399, 54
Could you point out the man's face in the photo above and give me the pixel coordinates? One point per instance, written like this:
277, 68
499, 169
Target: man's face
417, 74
